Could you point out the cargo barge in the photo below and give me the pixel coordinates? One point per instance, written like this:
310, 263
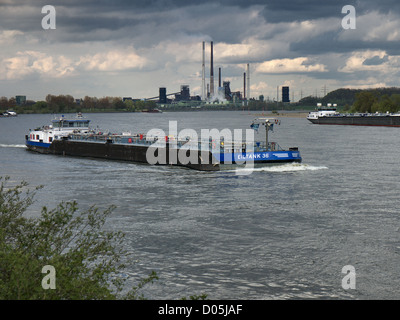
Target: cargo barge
329, 116
74, 137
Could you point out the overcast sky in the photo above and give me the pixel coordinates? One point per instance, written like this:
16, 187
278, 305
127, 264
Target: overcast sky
130, 48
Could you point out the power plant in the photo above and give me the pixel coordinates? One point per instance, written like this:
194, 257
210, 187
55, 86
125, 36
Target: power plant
209, 94
223, 92
220, 95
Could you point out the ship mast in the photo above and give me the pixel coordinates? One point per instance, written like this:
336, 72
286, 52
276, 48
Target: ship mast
267, 122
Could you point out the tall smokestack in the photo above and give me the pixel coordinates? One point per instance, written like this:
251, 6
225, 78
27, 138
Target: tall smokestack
212, 71
244, 86
219, 78
248, 81
203, 80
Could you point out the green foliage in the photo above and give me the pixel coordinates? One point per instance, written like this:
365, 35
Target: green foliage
88, 260
66, 103
340, 96
373, 101
364, 101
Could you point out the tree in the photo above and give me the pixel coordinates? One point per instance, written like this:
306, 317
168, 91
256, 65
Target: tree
385, 104
129, 105
89, 103
364, 101
3, 103
87, 259
104, 103
40, 107
395, 103
118, 104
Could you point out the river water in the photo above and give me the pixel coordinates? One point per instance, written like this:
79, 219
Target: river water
283, 232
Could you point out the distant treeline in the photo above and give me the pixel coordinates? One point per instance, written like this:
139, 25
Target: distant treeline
67, 103
359, 100
373, 101
351, 100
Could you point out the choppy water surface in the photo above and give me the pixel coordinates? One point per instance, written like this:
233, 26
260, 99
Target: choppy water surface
280, 232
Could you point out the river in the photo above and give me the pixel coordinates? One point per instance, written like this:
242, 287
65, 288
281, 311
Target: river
282, 232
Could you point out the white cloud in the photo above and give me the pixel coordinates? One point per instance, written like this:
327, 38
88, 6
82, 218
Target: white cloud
31, 62
261, 87
114, 60
296, 65
368, 83
8, 36
382, 27
26, 63
358, 61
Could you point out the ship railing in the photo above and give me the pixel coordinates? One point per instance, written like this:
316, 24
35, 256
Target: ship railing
238, 146
113, 138
203, 145
138, 139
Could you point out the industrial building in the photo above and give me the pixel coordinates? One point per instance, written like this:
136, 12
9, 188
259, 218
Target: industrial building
285, 95
20, 100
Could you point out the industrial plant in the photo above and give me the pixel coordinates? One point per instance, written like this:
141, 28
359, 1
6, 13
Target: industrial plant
210, 93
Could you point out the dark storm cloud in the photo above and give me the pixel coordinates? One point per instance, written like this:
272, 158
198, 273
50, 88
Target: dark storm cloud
151, 24
330, 42
376, 61
147, 22
82, 17
298, 10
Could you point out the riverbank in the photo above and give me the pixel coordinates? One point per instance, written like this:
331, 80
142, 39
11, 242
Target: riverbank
258, 113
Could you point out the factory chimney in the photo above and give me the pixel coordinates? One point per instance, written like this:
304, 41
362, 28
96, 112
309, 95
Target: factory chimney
248, 81
219, 78
203, 80
212, 72
244, 86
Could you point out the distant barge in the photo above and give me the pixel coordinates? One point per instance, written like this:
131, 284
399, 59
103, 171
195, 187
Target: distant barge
74, 137
329, 115
8, 114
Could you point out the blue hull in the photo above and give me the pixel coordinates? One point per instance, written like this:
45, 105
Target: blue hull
37, 144
259, 157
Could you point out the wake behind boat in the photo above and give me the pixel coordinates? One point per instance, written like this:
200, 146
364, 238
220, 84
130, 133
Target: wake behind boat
75, 137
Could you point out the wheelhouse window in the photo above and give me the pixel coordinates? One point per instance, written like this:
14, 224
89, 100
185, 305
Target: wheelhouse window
71, 124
